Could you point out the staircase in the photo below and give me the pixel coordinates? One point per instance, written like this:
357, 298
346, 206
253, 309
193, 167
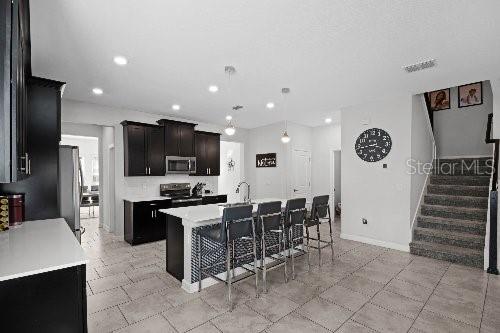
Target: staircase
452, 220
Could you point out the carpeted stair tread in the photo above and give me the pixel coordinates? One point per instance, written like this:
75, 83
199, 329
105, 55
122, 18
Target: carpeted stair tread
458, 170
465, 213
455, 254
456, 200
446, 237
440, 223
475, 191
481, 161
460, 180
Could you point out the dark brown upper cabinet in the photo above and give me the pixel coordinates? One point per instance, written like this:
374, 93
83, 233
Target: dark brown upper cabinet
207, 152
179, 138
15, 70
144, 148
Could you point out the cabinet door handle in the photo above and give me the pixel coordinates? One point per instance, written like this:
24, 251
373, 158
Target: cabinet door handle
152, 213
146, 170
29, 166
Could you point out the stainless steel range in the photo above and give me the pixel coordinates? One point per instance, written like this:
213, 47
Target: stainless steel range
180, 194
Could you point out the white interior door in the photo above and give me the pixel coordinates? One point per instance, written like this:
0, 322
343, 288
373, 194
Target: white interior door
301, 181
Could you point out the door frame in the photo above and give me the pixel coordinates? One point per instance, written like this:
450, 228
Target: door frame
292, 180
332, 180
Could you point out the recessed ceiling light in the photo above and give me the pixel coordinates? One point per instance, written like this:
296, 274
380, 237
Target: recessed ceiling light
328, 120
97, 91
120, 60
213, 89
176, 107
228, 117
270, 105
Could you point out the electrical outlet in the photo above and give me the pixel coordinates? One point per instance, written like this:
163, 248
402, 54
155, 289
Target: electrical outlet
365, 221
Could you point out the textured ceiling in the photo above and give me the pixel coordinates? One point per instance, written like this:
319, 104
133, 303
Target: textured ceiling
329, 53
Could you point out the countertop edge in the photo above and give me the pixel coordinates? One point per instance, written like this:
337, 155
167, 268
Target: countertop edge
42, 270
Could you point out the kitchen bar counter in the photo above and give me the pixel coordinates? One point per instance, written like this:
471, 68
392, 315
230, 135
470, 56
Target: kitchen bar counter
183, 225
38, 247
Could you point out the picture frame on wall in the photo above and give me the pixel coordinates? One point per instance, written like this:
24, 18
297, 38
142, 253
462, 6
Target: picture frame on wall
439, 99
267, 160
470, 94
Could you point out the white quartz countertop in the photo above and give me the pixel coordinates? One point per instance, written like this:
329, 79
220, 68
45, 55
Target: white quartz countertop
195, 216
144, 198
37, 247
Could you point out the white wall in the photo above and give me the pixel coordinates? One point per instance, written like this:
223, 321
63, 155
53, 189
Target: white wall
422, 150
88, 151
274, 182
461, 131
325, 139
382, 196
79, 113
229, 179
495, 93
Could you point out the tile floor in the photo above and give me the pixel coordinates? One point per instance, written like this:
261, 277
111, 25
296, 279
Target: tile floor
366, 289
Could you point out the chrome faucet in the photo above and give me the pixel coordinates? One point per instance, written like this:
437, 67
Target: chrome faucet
248, 191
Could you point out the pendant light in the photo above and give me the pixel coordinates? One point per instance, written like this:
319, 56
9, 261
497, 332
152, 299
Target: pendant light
230, 129
285, 138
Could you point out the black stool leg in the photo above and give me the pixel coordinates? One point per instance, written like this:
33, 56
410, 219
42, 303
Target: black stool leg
308, 248
255, 269
283, 239
331, 238
200, 274
290, 251
228, 274
319, 242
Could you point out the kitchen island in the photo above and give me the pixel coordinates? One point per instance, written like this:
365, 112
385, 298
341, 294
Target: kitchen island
183, 225
42, 278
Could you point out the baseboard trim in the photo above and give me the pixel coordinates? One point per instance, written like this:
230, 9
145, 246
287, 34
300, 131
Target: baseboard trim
390, 245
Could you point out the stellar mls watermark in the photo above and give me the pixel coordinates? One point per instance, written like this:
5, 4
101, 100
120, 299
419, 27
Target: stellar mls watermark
446, 167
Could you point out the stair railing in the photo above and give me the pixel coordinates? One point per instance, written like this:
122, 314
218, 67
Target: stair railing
492, 258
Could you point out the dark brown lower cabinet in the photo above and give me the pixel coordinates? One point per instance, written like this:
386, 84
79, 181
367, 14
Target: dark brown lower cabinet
54, 301
143, 221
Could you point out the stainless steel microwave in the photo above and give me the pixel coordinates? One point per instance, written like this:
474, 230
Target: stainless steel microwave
179, 164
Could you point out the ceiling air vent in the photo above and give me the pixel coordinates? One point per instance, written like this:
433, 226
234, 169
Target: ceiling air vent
420, 66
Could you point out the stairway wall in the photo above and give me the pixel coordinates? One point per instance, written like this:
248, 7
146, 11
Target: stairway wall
422, 151
461, 131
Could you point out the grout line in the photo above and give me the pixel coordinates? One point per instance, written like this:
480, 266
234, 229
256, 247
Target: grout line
484, 303
368, 301
433, 291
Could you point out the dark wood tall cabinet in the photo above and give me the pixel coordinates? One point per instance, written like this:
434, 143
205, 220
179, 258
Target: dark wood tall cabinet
207, 152
144, 148
44, 134
179, 138
15, 69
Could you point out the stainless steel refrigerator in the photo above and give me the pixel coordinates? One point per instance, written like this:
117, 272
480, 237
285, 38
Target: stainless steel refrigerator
70, 188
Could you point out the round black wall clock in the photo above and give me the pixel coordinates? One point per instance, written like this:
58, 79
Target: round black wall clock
373, 145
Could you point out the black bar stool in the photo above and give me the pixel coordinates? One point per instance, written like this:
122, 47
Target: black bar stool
237, 224
295, 215
269, 221
320, 211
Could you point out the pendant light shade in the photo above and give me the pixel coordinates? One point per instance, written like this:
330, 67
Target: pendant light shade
285, 138
230, 130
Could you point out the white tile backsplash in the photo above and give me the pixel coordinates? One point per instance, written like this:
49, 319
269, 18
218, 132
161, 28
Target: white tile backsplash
150, 186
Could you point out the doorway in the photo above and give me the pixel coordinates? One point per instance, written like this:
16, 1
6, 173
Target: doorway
335, 183
88, 151
231, 169
301, 174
